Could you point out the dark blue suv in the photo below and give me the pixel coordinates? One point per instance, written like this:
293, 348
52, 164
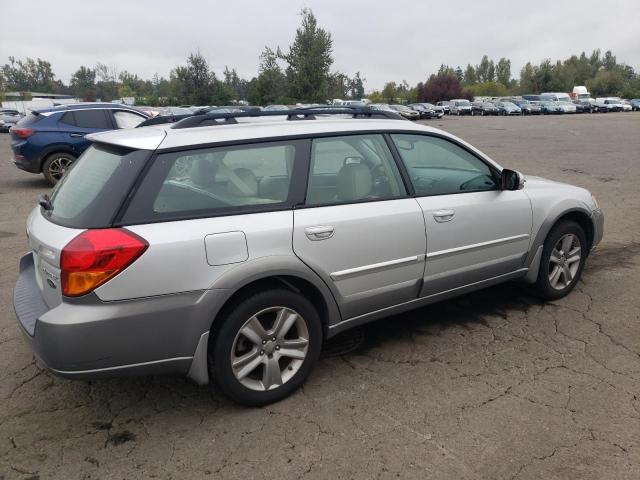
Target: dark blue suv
48, 141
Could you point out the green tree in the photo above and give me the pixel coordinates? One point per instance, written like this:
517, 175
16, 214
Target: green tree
389, 92
271, 83
482, 70
469, 77
503, 72
83, 84
487, 89
193, 83
29, 75
309, 60
357, 87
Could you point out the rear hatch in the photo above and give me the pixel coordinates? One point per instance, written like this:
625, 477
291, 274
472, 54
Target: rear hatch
89, 196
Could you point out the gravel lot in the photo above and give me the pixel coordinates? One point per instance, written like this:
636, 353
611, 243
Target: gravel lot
494, 385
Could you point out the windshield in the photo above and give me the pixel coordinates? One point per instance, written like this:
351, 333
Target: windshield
92, 190
463, 103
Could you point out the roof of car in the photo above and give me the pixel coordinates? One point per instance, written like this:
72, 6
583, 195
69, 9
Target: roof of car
84, 106
164, 137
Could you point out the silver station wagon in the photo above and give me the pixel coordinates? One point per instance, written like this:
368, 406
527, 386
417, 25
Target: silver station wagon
229, 246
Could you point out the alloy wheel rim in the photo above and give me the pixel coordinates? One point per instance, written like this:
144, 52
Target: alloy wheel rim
270, 348
564, 261
59, 166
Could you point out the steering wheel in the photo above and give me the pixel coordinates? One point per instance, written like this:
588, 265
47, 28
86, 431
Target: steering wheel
380, 180
470, 181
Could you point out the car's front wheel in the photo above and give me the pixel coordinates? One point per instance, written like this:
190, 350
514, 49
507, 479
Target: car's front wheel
563, 256
55, 166
266, 347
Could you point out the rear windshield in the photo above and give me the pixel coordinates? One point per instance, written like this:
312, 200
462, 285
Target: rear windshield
29, 120
91, 192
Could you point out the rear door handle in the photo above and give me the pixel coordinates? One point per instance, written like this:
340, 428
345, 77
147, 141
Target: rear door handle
76, 135
321, 232
442, 216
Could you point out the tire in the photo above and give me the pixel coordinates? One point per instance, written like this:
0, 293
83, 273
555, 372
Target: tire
557, 276
55, 165
256, 387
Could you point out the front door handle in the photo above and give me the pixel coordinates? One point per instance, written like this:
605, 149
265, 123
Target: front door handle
442, 216
76, 135
321, 232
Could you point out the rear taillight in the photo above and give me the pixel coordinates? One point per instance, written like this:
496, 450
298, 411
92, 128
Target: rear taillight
21, 132
95, 256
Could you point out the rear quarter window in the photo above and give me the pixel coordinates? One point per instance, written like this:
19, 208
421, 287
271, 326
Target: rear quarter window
93, 189
30, 119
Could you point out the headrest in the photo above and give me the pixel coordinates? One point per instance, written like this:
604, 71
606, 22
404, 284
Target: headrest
354, 182
242, 183
203, 172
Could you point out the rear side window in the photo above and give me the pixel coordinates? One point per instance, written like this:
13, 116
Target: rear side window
96, 118
352, 168
218, 181
90, 193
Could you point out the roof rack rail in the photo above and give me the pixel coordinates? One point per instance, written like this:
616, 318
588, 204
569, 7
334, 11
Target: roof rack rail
160, 119
203, 119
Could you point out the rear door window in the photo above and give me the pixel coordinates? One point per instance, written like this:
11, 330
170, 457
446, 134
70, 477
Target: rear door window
352, 168
219, 181
90, 119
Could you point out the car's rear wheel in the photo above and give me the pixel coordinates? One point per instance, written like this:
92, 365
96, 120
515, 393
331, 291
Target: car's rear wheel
55, 165
266, 347
563, 256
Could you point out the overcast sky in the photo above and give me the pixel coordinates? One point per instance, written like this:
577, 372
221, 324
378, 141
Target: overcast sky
384, 40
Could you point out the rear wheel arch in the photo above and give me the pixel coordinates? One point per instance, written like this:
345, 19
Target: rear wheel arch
290, 282
53, 149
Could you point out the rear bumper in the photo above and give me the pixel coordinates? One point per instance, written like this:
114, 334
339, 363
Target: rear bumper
87, 338
24, 160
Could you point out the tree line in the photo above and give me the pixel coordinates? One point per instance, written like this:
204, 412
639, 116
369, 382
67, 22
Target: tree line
303, 73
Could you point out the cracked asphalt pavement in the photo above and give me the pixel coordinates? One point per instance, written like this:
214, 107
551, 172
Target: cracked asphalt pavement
492, 385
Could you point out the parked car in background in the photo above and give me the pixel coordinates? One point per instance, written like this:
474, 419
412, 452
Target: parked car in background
547, 108
532, 98
460, 106
48, 141
175, 111
150, 111
527, 107
275, 108
229, 254
484, 108
626, 106
406, 112
385, 107
445, 107
424, 111
566, 107
584, 106
635, 104
439, 110
609, 104
8, 118
508, 108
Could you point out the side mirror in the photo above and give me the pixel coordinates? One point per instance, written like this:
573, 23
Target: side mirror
512, 180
